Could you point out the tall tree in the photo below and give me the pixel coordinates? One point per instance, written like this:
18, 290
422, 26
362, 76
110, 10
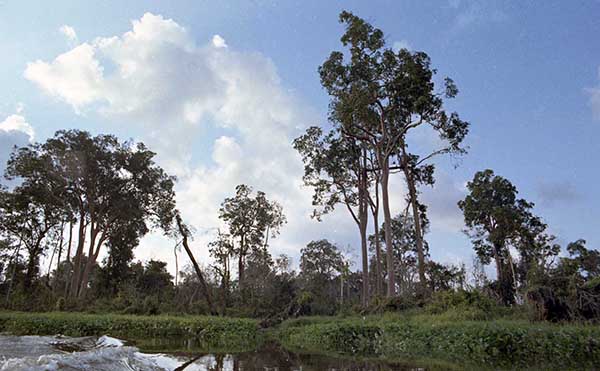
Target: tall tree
378, 95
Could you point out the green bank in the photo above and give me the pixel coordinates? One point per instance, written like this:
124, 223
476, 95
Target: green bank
210, 333
495, 343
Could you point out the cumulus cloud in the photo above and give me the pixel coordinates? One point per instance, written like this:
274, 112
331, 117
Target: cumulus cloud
14, 131
157, 75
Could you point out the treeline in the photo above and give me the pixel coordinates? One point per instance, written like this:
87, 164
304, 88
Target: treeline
77, 195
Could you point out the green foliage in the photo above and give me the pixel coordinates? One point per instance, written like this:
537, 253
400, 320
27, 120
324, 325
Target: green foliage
211, 332
472, 303
493, 343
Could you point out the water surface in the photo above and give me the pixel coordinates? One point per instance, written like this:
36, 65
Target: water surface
107, 353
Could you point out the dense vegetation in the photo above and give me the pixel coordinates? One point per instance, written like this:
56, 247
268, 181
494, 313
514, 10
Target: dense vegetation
208, 332
496, 343
76, 197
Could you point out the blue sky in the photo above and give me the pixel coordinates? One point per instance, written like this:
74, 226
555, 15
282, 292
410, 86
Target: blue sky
220, 111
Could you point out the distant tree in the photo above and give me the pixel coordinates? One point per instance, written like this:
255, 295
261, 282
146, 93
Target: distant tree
445, 277
404, 248
222, 250
321, 258
496, 220
335, 166
250, 221
320, 263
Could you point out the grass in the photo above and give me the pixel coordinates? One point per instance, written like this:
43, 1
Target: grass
495, 343
233, 334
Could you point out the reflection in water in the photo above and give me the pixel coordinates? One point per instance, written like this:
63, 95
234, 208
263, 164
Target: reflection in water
105, 353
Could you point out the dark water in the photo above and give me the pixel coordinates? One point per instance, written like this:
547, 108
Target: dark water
105, 353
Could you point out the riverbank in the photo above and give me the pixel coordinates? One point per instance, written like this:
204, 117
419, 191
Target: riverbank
211, 333
500, 343
494, 343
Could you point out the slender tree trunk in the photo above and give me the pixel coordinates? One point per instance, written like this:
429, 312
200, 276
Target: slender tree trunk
73, 287
176, 265
90, 262
68, 271
412, 191
375, 212
341, 290
365, 256
50, 265
364, 220
241, 271
387, 223
205, 288
60, 248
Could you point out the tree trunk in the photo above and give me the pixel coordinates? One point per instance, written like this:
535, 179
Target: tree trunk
365, 259
375, 212
205, 288
378, 275
412, 192
73, 287
89, 264
241, 271
364, 220
387, 220
60, 249
67, 273
31, 268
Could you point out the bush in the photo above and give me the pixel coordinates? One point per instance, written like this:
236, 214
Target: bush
473, 304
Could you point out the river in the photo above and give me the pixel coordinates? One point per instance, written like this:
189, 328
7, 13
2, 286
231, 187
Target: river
107, 353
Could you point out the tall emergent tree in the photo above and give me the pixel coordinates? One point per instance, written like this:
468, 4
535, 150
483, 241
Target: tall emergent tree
378, 96
250, 220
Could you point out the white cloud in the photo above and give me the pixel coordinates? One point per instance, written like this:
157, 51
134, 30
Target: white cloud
219, 42
69, 32
14, 131
75, 76
157, 75
17, 123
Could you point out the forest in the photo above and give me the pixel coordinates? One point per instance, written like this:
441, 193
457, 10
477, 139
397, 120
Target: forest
82, 202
